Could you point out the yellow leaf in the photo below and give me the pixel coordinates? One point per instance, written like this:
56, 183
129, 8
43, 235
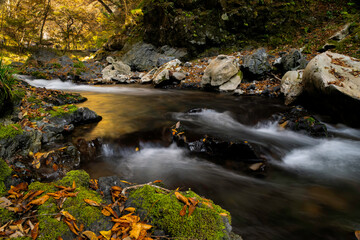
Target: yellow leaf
67, 215
130, 209
36, 163
90, 235
182, 198
106, 234
223, 214
92, 203
135, 231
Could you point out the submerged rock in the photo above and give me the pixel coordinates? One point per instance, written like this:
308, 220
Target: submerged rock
299, 120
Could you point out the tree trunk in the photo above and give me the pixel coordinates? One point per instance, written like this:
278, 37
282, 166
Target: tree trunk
46, 13
108, 9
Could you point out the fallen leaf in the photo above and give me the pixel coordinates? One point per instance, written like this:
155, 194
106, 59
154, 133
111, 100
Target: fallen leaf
71, 227
357, 234
106, 234
67, 215
39, 201
191, 209
116, 188
183, 211
182, 198
90, 235
130, 209
223, 214
157, 181
177, 125
106, 212
35, 231
17, 234
135, 231
92, 203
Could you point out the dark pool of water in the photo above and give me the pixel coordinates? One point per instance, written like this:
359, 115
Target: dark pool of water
311, 190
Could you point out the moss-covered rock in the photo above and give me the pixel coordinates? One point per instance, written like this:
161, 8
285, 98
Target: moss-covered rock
162, 209
5, 216
5, 172
10, 131
90, 216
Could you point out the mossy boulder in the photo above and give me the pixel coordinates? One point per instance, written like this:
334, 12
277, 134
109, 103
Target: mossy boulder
208, 221
90, 216
5, 172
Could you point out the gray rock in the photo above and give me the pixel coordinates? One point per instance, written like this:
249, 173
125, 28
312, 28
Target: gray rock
143, 56
110, 59
162, 60
179, 76
65, 61
162, 75
222, 71
292, 85
256, 64
106, 183
291, 62
121, 67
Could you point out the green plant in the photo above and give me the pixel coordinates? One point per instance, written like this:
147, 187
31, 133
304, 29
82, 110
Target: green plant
6, 82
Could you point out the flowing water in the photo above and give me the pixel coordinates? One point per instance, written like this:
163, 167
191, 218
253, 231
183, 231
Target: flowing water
311, 189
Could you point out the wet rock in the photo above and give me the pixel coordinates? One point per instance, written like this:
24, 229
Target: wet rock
178, 76
89, 150
222, 73
162, 60
256, 64
115, 71
106, 183
292, 86
299, 120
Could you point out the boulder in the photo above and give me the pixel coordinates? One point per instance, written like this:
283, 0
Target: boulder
292, 85
333, 80
162, 75
222, 72
121, 67
144, 57
256, 65
178, 76
115, 71
333, 74
342, 34
147, 78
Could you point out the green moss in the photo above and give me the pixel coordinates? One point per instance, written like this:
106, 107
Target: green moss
40, 75
9, 131
80, 177
57, 111
50, 228
56, 65
163, 210
5, 172
5, 216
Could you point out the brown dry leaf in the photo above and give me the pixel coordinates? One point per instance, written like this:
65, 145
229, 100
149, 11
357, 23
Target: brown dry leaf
110, 210
17, 234
34, 195
183, 211
157, 181
92, 203
35, 231
94, 184
55, 167
106, 212
191, 209
106, 234
67, 215
130, 209
39, 201
193, 201
90, 235
59, 238
182, 198
357, 235
71, 227
21, 187
36, 163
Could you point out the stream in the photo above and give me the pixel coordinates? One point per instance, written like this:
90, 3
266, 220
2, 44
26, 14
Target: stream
311, 189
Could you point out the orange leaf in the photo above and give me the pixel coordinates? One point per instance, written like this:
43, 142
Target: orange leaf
357, 234
67, 215
106, 212
130, 209
55, 167
181, 198
90, 235
183, 211
194, 201
39, 201
71, 227
116, 188
135, 231
92, 203
157, 181
191, 209
106, 234
35, 231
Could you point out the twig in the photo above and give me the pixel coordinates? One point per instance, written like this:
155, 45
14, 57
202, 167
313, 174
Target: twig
123, 192
276, 77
